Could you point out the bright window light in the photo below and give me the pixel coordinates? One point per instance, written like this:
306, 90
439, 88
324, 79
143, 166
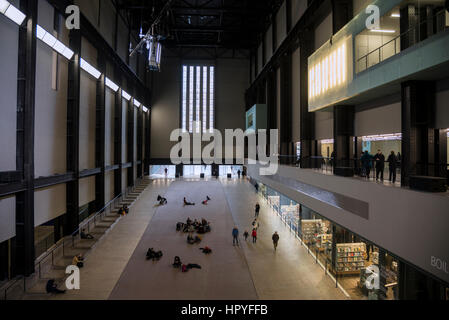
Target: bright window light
54, 43
59, 47
89, 68
40, 32
126, 95
111, 85
3, 6
49, 39
137, 103
382, 31
67, 53
14, 14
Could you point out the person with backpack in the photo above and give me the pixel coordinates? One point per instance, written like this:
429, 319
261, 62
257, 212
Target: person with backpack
275, 239
254, 235
235, 236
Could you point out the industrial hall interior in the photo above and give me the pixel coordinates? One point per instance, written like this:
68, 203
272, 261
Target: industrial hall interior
215, 150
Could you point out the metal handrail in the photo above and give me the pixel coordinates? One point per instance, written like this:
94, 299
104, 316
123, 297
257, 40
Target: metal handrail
414, 28
73, 235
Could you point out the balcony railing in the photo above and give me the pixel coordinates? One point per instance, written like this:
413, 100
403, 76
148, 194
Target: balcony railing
393, 47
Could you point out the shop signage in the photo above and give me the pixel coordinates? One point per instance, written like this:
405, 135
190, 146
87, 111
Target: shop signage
439, 264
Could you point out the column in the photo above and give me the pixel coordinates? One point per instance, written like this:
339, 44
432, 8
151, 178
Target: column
23, 242
343, 144
100, 118
118, 127
73, 118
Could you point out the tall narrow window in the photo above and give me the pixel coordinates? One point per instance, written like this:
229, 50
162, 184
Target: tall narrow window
191, 101
184, 98
211, 99
198, 98
205, 77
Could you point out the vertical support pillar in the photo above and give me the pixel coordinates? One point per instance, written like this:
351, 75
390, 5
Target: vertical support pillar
343, 132
147, 142
118, 143
139, 142
73, 118
130, 138
100, 119
286, 106
23, 255
408, 26
418, 130
307, 126
342, 13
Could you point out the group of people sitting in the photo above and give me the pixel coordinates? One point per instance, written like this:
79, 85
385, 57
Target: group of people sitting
154, 255
161, 200
184, 267
192, 226
123, 211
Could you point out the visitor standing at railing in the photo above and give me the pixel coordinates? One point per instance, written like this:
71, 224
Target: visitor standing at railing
380, 165
366, 163
392, 165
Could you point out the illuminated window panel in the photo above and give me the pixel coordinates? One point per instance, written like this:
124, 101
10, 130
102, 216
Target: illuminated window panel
184, 98
198, 98
205, 77
211, 98
191, 99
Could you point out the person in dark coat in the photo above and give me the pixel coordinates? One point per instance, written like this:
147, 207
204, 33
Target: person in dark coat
275, 239
366, 163
392, 165
51, 287
380, 165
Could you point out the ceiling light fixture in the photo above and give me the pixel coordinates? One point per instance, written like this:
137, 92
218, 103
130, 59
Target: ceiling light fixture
89, 68
111, 85
126, 95
54, 43
12, 12
382, 31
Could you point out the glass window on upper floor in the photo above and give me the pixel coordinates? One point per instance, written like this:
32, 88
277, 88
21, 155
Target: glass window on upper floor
402, 27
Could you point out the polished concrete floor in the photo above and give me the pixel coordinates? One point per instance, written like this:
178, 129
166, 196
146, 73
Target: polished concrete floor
116, 267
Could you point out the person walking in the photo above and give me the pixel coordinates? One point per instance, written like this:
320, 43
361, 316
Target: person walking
275, 239
235, 236
257, 210
255, 224
246, 235
366, 163
392, 165
238, 173
380, 165
254, 235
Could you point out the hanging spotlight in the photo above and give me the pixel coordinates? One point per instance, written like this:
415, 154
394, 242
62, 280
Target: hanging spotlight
154, 54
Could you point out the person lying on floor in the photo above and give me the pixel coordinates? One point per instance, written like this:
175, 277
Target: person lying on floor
84, 235
161, 200
186, 268
51, 287
177, 263
186, 203
206, 250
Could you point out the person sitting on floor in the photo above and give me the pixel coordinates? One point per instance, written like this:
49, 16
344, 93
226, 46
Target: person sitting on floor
180, 226
206, 250
155, 255
190, 239
51, 287
85, 235
186, 203
161, 200
204, 222
125, 207
177, 263
188, 222
78, 261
